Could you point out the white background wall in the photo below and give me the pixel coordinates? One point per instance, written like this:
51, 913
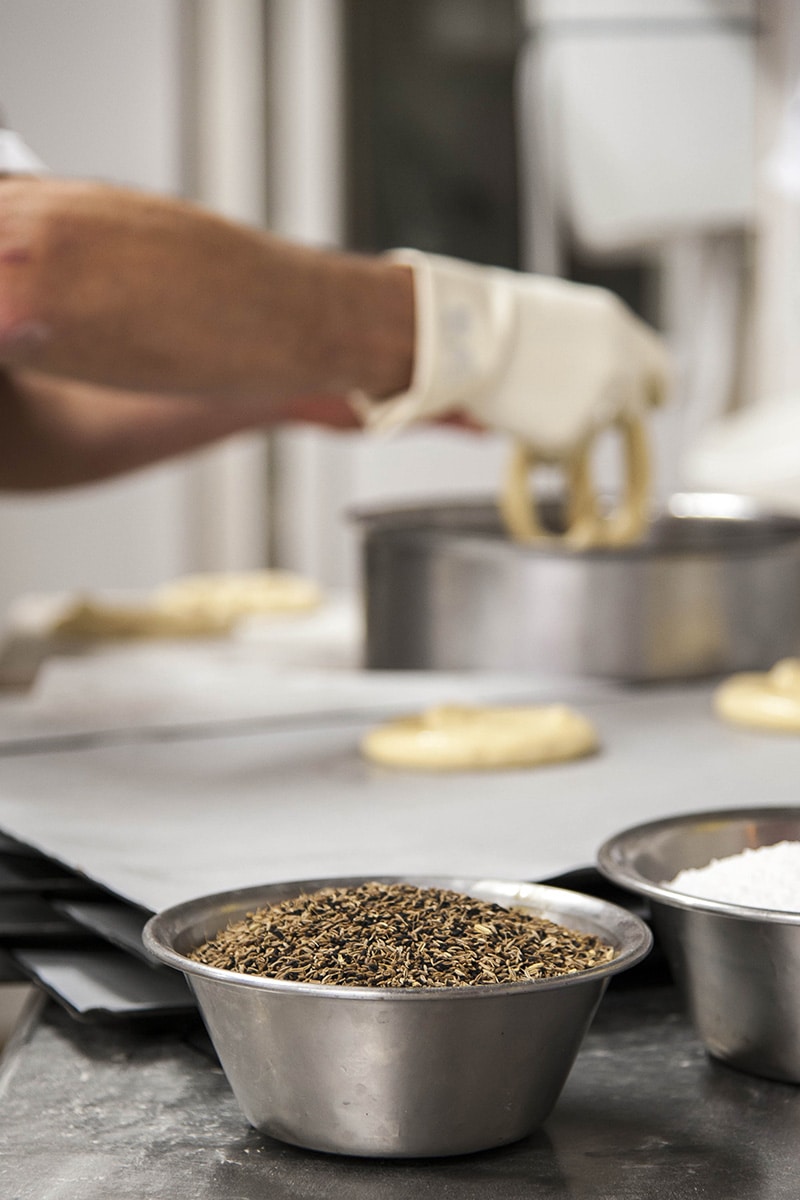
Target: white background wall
93, 87
318, 476
99, 89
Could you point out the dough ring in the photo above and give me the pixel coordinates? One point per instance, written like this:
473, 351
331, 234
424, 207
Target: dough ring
461, 737
763, 700
586, 525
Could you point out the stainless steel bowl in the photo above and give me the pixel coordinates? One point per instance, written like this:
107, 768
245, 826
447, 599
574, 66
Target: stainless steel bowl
739, 967
715, 587
403, 1072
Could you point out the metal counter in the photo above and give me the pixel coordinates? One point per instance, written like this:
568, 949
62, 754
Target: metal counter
87, 1113
93, 1112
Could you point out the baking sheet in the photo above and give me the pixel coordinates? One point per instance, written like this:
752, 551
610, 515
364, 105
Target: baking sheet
144, 688
112, 920
330, 636
159, 822
38, 875
10, 972
26, 918
104, 983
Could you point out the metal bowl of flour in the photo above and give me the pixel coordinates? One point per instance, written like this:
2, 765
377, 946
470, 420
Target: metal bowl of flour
712, 588
738, 965
404, 1071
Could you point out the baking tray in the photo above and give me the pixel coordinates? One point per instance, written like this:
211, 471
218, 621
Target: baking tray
115, 922
40, 875
27, 916
154, 823
80, 945
157, 823
102, 983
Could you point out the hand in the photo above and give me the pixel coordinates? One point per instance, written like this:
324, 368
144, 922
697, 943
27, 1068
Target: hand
548, 361
331, 411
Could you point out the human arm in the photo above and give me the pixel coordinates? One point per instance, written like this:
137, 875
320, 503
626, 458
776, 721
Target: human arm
137, 292
61, 433
140, 292
134, 328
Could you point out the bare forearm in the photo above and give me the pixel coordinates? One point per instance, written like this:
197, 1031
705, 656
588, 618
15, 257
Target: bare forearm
57, 433
134, 291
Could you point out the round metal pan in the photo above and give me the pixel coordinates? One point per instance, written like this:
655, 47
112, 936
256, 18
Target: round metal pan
714, 587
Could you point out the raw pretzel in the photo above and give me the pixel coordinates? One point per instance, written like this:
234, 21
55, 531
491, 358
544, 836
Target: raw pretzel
586, 525
457, 737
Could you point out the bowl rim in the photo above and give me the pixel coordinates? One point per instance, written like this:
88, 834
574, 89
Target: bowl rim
402, 521
612, 863
636, 932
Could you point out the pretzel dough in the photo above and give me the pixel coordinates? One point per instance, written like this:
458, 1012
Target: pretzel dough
195, 606
763, 700
96, 620
456, 737
231, 596
586, 526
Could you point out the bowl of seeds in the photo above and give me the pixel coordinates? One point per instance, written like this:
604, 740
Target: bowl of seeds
397, 1017
724, 892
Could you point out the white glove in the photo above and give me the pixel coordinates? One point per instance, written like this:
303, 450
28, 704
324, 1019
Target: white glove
544, 359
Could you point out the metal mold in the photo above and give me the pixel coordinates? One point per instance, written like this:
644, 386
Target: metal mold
715, 587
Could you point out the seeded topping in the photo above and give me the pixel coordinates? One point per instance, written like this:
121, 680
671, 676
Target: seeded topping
399, 936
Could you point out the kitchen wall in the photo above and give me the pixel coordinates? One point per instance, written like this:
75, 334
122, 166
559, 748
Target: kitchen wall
247, 105
170, 95
319, 477
103, 89
632, 171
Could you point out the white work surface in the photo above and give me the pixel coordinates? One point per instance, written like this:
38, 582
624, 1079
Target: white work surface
167, 773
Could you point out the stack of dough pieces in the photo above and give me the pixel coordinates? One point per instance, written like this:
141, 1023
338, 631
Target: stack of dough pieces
194, 606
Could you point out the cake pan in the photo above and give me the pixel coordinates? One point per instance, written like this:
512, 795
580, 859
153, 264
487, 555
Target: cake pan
714, 587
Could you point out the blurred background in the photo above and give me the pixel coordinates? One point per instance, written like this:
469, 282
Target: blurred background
647, 145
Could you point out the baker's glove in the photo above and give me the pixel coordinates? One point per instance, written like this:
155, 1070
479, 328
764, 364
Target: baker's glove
548, 361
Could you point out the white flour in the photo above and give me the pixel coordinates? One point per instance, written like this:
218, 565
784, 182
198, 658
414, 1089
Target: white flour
768, 877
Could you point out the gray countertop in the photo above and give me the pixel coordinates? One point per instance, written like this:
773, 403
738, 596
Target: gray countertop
142, 804
89, 1113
